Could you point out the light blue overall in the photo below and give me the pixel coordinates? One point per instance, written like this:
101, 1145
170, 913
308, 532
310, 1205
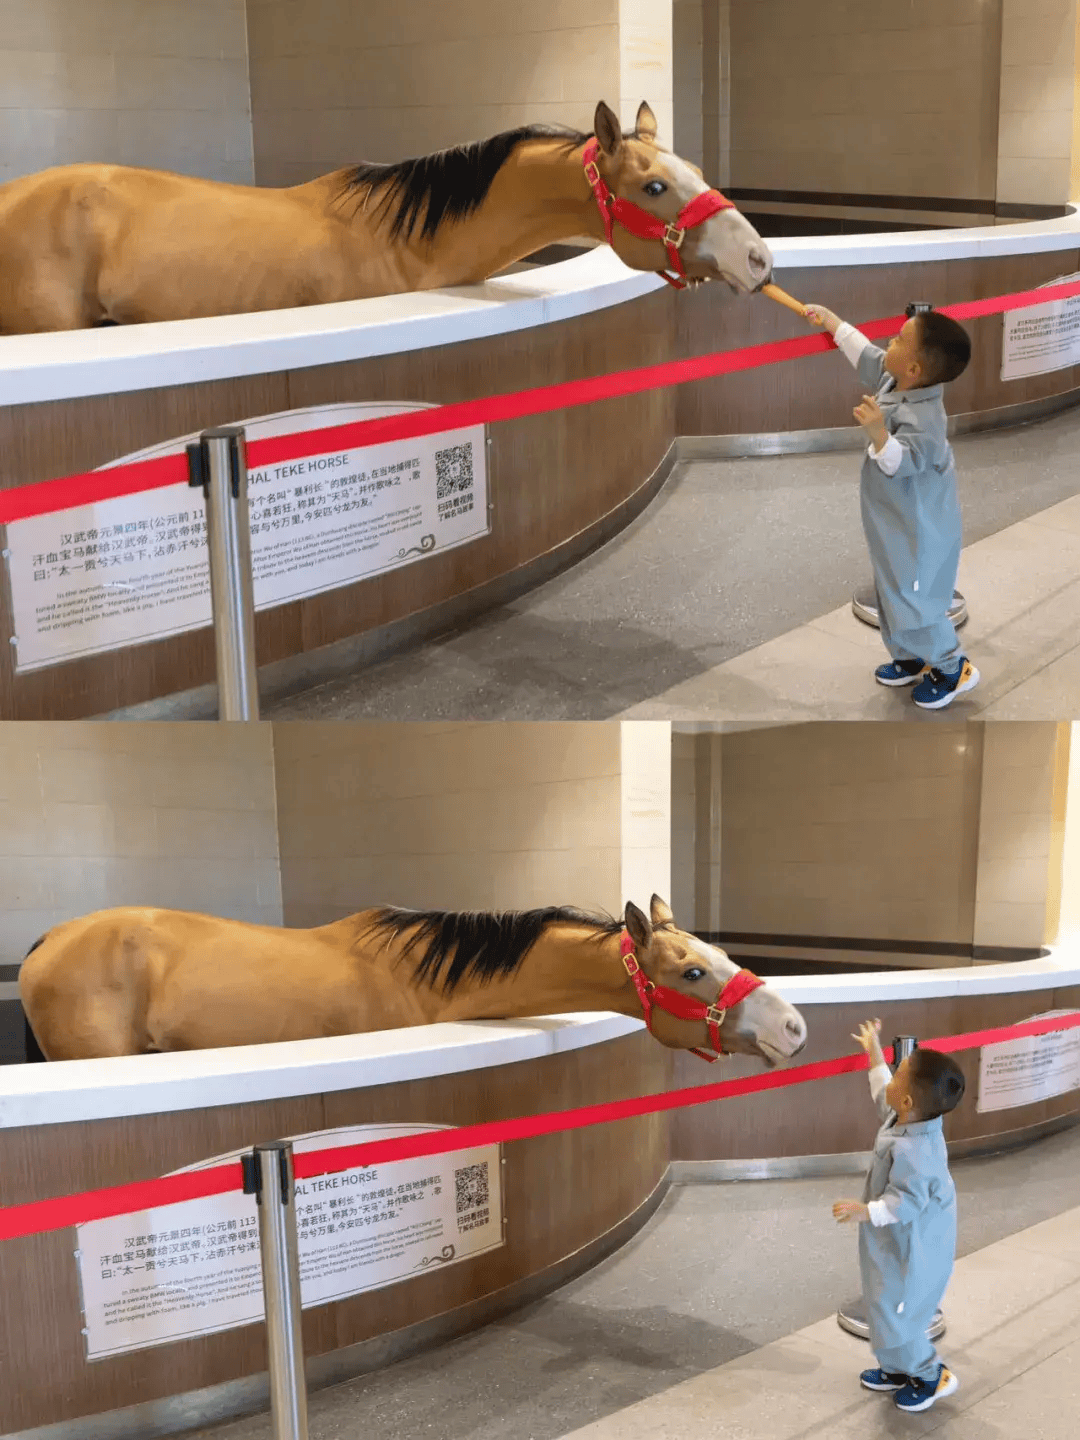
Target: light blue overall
906, 1266
912, 521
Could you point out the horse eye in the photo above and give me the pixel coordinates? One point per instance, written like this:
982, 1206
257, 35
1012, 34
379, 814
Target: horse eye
693, 973
654, 187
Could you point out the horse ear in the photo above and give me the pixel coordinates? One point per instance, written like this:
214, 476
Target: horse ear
607, 129
637, 923
645, 124
661, 911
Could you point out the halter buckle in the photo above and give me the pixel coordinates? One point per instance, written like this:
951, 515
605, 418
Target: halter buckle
714, 1015
673, 236
594, 178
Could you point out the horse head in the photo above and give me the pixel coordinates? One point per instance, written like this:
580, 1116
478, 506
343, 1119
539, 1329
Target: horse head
761, 1023
633, 171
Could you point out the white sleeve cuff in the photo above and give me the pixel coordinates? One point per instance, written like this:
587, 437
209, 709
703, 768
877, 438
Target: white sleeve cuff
850, 342
880, 1214
879, 1077
890, 457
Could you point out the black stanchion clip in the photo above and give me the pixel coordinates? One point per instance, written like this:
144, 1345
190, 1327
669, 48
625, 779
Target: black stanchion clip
252, 1171
198, 472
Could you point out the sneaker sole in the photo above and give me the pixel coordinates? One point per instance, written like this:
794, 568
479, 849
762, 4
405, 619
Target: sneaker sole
883, 1389
969, 684
899, 684
941, 1393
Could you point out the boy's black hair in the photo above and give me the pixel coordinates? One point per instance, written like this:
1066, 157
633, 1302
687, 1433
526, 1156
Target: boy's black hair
944, 347
937, 1083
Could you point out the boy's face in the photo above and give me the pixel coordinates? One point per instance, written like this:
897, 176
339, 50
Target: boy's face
903, 360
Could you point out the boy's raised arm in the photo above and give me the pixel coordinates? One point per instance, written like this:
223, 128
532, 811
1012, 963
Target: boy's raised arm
867, 359
868, 1036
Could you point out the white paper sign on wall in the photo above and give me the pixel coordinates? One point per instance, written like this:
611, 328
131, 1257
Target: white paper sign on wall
1025, 1071
194, 1268
127, 571
1041, 338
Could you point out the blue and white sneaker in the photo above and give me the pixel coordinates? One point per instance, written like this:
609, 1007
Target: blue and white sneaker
882, 1380
921, 1394
900, 672
939, 688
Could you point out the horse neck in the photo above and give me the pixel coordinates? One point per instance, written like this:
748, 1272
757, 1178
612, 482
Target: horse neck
538, 198
568, 969
543, 191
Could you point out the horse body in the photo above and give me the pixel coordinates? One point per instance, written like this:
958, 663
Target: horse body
81, 245
134, 980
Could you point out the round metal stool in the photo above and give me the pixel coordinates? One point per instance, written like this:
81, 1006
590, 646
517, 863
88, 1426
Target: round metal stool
851, 1317
864, 606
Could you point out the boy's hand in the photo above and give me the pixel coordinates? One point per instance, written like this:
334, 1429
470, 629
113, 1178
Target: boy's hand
826, 319
847, 1210
869, 1035
869, 416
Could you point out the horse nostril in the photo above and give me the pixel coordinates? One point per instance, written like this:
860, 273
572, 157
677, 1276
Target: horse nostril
760, 262
795, 1029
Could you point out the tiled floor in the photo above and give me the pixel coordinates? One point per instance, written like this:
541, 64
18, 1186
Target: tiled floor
1013, 1341
730, 599
1022, 586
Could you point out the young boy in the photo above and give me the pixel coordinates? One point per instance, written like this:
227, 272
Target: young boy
910, 509
907, 1231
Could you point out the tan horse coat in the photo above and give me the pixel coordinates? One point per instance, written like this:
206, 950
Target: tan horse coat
134, 980
82, 245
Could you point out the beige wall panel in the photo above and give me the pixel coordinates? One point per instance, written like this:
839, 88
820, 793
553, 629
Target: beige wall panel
162, 85
139, 814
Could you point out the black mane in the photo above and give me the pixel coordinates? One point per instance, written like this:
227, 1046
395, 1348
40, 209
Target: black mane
448, 185
481, 945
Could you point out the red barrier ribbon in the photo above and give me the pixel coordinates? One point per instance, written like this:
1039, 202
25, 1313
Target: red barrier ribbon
65, 1210
57, 1214
47, 496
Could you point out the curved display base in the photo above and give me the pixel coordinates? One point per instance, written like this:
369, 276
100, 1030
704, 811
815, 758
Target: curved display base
198, 1409
851, 1317
864, 607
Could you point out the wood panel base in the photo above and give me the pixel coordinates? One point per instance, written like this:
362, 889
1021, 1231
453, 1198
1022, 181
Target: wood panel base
836, 1116
853, 1162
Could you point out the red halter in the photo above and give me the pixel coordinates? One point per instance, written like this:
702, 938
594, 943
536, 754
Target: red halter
685, 1007
650, 227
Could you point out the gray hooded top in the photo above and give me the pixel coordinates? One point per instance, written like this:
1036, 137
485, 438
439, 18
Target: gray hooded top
907, 1257
910, 512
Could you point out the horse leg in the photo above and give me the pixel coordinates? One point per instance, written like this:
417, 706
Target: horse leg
34, 1053
87, 1027
38, 308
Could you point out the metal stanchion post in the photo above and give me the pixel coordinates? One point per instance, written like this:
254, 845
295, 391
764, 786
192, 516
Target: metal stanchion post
268, 1175
851, 1316
217, 465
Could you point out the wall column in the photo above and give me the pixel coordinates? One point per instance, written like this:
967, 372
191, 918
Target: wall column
1039, 114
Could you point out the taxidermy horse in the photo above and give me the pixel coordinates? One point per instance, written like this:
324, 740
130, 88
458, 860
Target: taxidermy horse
92, 244
133, 981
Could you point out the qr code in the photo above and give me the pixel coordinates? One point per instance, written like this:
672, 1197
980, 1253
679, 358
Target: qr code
471, 1188
453, 470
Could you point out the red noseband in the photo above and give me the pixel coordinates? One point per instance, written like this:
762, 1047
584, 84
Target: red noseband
650, 227
685, 1007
